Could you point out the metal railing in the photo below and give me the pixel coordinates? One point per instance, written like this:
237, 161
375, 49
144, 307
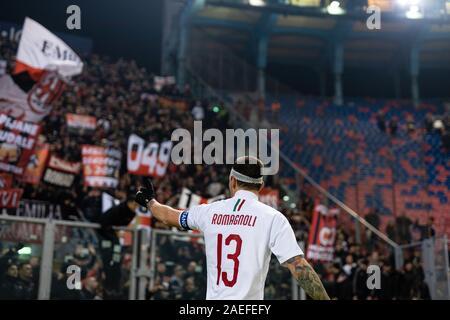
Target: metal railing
48, 250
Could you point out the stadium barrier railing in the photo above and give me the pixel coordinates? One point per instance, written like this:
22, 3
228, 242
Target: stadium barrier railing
433, 256
49, 236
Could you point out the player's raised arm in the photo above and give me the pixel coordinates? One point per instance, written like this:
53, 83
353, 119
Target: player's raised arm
167, 215
306, 277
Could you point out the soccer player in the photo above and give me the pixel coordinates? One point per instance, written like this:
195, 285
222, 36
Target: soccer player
240, 234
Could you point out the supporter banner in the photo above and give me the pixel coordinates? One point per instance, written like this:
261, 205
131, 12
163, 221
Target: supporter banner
189, 199
43, 60
40, 50
270, 196
13, 31
40, 209
34, 104
100, 166
17, 141
322, 234
36, 164
5, 180
9, 198
60, 172
33, 232
161, 82
80, 124
168, 102
147, 160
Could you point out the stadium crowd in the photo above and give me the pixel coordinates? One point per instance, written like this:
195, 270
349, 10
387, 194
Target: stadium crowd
121, 95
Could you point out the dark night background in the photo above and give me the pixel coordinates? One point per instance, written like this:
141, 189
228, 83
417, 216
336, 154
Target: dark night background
133, 29
118, 28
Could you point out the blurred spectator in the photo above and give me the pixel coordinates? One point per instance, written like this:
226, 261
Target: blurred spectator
373, 218
198, 112
190, 291
8, 283
24, 288
360, 290
89, 290
393, 126
381, 122
403, 224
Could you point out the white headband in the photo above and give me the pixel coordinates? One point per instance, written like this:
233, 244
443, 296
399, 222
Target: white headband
243, 178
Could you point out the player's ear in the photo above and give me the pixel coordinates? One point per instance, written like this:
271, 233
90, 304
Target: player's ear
233, 183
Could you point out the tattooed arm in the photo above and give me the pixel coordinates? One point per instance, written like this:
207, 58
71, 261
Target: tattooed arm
306, 277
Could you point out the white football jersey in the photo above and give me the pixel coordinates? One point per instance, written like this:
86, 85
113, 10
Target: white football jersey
240, 235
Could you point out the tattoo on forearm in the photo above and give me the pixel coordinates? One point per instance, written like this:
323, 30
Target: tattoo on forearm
307, 278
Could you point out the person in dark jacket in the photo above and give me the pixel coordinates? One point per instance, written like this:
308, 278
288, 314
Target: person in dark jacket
8, 282
24, 288
409, 281
390, 283
360, 290
89, 291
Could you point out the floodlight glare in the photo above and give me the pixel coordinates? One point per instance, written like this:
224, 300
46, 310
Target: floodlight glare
414, 12
24, 250
405, 3
335, 8
257, 3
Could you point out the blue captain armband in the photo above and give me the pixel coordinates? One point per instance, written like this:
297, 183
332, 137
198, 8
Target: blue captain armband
183, 220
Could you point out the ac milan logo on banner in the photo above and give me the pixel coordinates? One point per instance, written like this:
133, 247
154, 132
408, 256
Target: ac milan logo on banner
43, 61
322, 234
44, 93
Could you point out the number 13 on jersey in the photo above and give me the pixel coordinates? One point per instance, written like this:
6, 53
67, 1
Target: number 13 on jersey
236, 239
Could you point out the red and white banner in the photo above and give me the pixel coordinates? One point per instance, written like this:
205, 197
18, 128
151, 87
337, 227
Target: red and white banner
60, 172
5, 180
40, 50
36, 164
17, 141
43, 60
270, 196
9, 198
178, 103
160, 82
147, 159
189, 199
81, 124
322, 234
34, 104
100, 166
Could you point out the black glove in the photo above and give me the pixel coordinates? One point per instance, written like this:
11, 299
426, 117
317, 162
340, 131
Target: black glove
144, 195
